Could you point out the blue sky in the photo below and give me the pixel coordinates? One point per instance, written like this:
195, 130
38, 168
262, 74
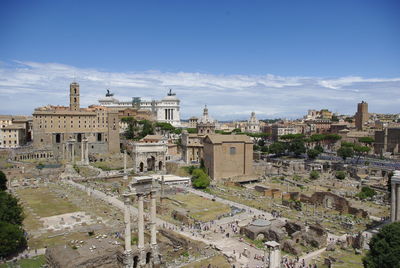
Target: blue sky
311, 41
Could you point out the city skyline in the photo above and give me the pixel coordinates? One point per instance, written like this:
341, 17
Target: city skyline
276, 59
229, 97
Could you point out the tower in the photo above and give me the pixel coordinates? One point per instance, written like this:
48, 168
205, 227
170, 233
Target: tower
362, 115
206, 124
74, 96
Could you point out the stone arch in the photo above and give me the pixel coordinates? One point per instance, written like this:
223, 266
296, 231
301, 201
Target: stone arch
160, 165
151, 162
260, 236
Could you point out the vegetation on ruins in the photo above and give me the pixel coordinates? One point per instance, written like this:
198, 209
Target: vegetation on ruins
384, 248
12, 238
314, 175
366, 192
340, 175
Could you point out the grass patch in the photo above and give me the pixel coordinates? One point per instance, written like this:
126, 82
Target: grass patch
216, 261
44, 240
35, 262
45, 203
200, 208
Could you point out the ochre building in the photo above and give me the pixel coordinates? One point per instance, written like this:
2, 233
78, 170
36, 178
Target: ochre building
228, 156
65, 130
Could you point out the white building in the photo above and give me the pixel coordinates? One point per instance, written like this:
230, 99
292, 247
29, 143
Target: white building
166, 110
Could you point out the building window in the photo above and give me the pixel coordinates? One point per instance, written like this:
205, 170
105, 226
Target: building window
58, 138
232, 150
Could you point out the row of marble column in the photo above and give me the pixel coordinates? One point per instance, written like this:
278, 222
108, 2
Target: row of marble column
127, 219
69, 151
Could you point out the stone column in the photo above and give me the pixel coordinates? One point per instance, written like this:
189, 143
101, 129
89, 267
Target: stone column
398, 203
393, 203
140, 222
127, 221
68, 153
142, 254
63, 151
86, 152
73, 152
82, 152
125, 175
153, 219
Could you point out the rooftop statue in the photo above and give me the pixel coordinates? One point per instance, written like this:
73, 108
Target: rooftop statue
108, 94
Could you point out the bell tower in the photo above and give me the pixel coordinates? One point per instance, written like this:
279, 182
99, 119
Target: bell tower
74, 96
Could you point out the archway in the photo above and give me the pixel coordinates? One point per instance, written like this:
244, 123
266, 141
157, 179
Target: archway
141, 166
79, 137
160, 165
135, 261
151, 163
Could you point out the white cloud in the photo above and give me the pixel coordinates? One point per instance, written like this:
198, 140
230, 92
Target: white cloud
26, 85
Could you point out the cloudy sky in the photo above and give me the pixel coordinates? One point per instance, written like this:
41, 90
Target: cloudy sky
277, 58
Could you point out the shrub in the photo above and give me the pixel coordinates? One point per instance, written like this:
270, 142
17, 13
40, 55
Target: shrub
340, 175
366, 192
314, 175
312, 153
200, 179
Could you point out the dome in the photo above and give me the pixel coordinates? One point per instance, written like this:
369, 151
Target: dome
205, 118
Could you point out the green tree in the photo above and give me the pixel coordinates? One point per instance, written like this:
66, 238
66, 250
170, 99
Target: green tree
361, 150
147, 128
191, 130
297, 147
3, 181
319, 148
312, 154
165, 126
384, 248
277, 148
345, 152
366, 140
314, 175
10, 210
200, 179
340, 175
12, 239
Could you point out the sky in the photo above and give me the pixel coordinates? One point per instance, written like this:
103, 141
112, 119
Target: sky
277, 58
